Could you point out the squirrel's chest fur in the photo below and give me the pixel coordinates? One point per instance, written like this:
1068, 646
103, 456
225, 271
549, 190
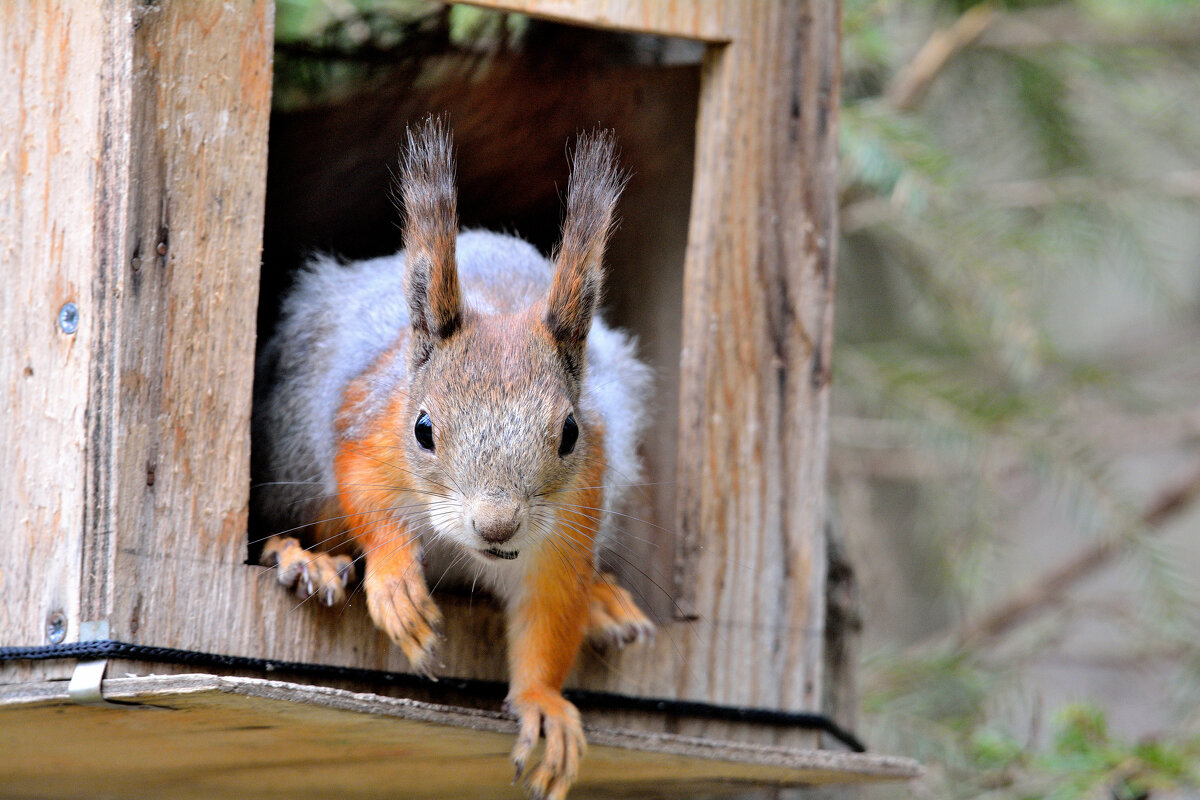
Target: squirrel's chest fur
342, 320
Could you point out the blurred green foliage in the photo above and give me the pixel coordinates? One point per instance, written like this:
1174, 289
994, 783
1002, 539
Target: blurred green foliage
1085, 755
1034, 157
328, 49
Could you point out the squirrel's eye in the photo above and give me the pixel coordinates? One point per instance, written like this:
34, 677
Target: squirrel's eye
569, 436
424, 431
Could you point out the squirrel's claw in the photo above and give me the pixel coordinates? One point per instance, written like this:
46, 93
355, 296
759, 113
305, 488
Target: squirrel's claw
308, 572
614, 619
527, 738
547, 713
401, 606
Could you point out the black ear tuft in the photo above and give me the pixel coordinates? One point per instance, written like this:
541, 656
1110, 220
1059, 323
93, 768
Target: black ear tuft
595, 184
430, 208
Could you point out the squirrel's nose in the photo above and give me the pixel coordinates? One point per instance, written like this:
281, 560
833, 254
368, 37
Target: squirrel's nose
497, 523
496, 532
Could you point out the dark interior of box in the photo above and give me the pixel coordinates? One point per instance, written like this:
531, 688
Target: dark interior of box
514, 111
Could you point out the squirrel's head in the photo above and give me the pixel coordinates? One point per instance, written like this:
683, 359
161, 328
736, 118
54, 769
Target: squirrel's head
494, 415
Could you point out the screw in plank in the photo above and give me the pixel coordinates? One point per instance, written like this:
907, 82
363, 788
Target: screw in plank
56, 628
68, 318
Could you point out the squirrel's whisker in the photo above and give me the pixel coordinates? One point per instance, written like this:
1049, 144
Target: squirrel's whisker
326, 520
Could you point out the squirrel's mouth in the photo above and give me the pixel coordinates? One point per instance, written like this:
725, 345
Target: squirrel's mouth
496, 552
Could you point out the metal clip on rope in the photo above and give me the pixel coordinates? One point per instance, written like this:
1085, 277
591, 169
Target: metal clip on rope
85, 685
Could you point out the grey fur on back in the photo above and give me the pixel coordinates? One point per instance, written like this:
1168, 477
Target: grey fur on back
339, 318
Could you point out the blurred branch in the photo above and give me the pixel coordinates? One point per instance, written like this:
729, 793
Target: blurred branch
1178, 185
1048, 590
1106, 658
891, 450
914, 79
1121, 433
891, 465
863, 214
1036, 28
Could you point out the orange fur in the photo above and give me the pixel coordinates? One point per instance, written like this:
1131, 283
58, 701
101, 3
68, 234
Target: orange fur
548, 625
374, 482
545, 631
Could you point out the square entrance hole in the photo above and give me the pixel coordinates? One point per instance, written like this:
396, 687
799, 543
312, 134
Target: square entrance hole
515, 92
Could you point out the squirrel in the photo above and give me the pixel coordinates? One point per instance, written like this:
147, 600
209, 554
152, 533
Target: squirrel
461, 407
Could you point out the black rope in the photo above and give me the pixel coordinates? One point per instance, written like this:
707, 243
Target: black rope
482, 689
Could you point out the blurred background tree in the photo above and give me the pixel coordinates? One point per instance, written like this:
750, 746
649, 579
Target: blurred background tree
1017, 410
1015, 463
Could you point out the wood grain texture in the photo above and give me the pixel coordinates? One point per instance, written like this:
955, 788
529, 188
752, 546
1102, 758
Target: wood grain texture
709, 20
182, 283
757, 334
232, 737
49, 141
132, 182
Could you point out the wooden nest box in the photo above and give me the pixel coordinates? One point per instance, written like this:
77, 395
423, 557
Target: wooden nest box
132, 176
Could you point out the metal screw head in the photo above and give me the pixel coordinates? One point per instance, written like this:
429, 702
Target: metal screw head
56, 628
68, 318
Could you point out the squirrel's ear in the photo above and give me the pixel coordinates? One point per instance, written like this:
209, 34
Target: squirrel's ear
592, 193
430, 208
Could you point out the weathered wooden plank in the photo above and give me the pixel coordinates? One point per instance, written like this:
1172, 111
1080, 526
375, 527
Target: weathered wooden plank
254, 738
710, 20
754, 378
49, 141
126, 444
189, 97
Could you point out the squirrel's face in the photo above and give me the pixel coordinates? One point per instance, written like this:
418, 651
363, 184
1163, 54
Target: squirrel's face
493, 420
494, 426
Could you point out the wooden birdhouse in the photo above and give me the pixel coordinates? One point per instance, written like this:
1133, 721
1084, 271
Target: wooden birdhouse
133, 175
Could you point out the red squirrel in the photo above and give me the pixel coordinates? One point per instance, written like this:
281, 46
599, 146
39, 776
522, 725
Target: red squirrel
460, 409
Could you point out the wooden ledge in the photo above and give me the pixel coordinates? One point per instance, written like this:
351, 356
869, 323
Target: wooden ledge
202, 736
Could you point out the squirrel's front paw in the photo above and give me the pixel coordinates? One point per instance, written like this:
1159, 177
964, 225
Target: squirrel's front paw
614, 620
311, 573
401, 606
547, 712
